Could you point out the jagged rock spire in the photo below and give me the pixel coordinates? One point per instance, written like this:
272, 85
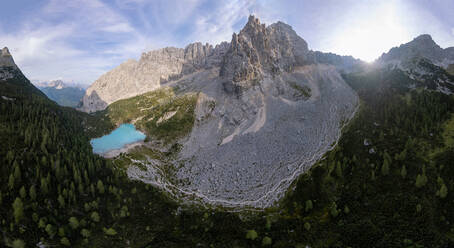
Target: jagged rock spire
259, 50
6, 59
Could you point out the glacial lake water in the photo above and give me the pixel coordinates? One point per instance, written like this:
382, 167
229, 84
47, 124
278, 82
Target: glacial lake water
123, 135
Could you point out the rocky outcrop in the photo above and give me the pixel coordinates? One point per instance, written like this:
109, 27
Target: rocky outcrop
265, 113
7, 65
422, 46
345, 64
6, 59
159, 66
255, 51
258, 49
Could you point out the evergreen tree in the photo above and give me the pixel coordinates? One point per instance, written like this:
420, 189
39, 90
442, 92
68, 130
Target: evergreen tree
65, 241
18, 209
61, 201
11, 182
18, 243
100, 187
32, 192
17, 172
385, 167
308, 205
95, 216
421, 180
22, 192
403, 172
443, 191
73, 223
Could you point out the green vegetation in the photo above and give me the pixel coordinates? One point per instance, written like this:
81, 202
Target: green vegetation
450, 69
394, 192
161, 114
301, 91
448, 132
251, 234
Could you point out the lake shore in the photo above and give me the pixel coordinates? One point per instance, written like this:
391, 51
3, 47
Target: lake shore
125, 148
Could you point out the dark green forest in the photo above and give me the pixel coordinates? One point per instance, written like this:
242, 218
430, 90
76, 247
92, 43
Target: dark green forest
388, 183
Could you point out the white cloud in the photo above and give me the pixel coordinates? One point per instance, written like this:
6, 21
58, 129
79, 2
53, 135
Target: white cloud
219, 25
81, 39
118, 28
74, 49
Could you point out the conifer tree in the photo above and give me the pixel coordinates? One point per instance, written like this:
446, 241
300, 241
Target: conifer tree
403, 172
18, 209
385, 168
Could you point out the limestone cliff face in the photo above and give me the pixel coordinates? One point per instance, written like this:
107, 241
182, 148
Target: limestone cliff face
136, 77
256, 52
258, 49
7, 65
6, 59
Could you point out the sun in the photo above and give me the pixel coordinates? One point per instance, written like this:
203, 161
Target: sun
372, 32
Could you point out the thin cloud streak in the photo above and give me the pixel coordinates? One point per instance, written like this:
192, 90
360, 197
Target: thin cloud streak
79, 40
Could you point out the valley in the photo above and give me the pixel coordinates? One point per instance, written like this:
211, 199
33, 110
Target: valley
256, 142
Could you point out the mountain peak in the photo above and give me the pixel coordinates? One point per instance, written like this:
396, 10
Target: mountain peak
252, 21
424, 37
422, 46
258, 50
6, 59
5, 52
253, 27
424, 40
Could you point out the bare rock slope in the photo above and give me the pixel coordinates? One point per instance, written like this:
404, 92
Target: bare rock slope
136, 77
266, 111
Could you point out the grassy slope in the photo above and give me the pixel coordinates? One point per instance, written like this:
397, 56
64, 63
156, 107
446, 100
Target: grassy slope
147, 109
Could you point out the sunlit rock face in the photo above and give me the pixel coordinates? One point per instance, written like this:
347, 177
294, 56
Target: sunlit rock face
266, 112
136, 77
6, 59
258, 49
7, 65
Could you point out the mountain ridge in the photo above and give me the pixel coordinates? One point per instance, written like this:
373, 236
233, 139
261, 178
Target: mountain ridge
134, 77
253, 114
62, 93
421, 46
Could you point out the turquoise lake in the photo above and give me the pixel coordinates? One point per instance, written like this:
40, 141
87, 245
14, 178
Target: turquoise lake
123, 135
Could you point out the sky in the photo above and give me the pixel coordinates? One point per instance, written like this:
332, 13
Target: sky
79, 40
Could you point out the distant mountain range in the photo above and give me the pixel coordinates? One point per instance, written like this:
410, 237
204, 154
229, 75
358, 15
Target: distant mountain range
62, 93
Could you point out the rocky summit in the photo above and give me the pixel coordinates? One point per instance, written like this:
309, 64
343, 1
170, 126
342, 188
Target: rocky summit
7, 65
266, 111
424, 61
6, 59
422, 46
154, 68
255, 49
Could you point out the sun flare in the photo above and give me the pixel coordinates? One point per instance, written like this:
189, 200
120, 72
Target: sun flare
372, 33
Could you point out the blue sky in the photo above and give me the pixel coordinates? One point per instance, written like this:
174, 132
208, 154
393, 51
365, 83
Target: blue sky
78, 40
